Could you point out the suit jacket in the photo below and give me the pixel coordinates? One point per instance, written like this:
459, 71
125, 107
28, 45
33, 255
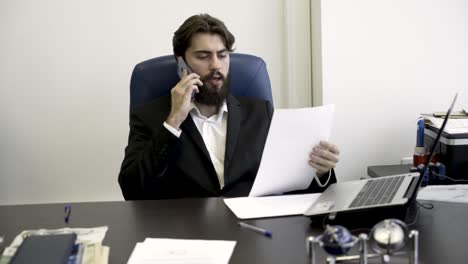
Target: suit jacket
159, 165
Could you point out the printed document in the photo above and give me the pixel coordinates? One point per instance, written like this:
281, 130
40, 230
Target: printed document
293, 133
183, 251
446, 193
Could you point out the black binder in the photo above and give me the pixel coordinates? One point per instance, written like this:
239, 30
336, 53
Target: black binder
50, 249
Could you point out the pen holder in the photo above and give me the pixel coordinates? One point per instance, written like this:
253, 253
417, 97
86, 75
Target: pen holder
386, 239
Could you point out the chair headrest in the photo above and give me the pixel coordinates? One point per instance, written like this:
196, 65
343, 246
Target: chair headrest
156, 77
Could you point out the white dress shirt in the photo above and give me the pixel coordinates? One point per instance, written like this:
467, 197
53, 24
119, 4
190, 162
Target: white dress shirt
213, 131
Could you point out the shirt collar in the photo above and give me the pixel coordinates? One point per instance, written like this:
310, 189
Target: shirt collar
218, 117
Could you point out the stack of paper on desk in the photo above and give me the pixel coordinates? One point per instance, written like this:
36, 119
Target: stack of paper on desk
446, 193
270, 206
88, 243
161, 250
454, 126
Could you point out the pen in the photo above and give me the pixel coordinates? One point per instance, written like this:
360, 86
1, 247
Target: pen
255, 229
67, 213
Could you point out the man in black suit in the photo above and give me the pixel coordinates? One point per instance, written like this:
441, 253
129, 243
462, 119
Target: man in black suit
208, 145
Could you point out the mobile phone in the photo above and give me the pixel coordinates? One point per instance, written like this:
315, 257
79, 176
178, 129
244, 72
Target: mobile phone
181, 66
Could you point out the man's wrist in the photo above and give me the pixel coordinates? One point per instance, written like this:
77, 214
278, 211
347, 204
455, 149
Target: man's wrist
173, 122
320, 175
174, 131
320, 184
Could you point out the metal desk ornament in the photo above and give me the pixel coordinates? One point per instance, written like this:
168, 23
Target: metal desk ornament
387, 238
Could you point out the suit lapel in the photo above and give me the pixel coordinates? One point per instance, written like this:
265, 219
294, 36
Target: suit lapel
232, 132
207, 179
191, 130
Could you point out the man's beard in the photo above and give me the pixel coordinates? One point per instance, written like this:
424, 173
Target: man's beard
212, 96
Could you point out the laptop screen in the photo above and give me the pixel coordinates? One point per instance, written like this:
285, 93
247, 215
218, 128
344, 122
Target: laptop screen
434, 145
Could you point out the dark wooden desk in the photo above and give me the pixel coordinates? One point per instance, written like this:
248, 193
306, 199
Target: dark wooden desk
442, 229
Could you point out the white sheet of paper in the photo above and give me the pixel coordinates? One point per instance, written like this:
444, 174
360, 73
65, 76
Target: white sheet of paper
270, 206
293, 133
454, 126
183, 251
447, 193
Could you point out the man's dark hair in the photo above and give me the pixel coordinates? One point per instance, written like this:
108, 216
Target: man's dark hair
202, 23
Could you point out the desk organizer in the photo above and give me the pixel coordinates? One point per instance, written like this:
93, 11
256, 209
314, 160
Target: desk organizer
387, 238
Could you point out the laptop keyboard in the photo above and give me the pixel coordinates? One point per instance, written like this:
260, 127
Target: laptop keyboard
378, 191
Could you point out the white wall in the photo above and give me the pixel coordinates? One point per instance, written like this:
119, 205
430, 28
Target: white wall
383, 63
64, 83
65, 68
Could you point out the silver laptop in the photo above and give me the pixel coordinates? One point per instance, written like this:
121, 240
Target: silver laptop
394, 190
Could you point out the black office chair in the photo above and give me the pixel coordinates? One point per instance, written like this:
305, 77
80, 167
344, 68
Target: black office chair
156, 77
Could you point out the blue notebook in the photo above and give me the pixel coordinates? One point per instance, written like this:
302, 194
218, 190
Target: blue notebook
50, 249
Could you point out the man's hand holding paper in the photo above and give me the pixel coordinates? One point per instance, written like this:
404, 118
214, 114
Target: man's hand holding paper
324, 157
297, 149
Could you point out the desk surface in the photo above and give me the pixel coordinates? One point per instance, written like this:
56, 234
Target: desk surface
442, 229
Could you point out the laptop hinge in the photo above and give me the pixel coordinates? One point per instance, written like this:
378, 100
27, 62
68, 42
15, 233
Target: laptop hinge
411, 188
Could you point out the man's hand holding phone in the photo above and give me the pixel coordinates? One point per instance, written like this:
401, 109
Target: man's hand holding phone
181, 98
